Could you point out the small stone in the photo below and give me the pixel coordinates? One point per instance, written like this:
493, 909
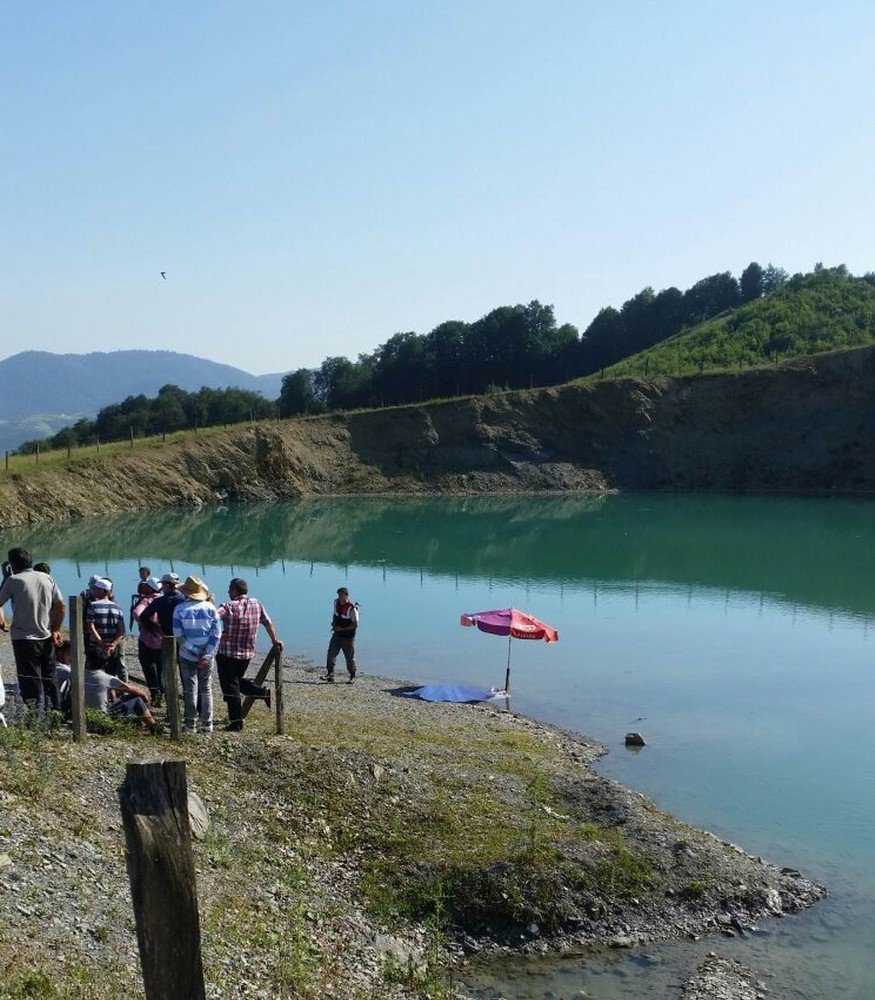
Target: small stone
198, 817
773, 902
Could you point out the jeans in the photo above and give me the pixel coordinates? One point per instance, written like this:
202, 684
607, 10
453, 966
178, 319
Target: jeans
197, 688
234, 684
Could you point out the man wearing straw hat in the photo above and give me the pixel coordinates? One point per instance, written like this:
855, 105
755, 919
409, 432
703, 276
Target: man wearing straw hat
197, 626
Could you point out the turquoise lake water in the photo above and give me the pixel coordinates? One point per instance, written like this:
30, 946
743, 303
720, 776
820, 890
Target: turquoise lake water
735, 633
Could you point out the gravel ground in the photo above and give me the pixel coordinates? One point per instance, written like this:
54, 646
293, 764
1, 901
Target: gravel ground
364, 854
722, 979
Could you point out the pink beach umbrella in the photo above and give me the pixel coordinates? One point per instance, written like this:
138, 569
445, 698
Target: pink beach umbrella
514, 624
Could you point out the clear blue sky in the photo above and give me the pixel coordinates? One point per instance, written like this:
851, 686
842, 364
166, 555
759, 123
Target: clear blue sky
314, 177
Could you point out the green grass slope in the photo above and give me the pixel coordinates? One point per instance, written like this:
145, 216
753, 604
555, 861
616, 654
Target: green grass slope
823, 311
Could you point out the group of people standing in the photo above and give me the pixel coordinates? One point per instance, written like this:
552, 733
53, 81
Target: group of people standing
208, 633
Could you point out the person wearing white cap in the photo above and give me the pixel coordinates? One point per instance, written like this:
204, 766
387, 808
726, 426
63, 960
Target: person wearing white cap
151, 639
106, 626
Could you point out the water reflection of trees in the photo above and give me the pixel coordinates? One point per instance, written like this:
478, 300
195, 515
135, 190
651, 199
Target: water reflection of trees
812, 551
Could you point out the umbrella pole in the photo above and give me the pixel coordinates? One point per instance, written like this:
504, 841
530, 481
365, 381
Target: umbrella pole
507, 672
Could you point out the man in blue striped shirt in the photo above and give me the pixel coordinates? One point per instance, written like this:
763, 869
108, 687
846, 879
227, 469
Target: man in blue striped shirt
197, 626
105, 625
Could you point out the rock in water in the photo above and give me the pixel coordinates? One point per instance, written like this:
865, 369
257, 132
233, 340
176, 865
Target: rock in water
634, 740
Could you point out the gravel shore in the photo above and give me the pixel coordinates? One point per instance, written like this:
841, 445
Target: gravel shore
364, 854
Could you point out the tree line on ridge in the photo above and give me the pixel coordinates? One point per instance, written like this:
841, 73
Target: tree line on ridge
514, 347
511, 347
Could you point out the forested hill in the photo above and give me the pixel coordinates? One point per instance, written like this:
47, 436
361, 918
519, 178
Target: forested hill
41, 392
41, 382
828, 309
762, 315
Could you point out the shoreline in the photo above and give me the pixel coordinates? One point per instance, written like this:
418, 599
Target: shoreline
390, 838
663, 433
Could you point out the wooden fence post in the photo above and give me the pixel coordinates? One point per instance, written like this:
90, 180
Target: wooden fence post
170, 669
154, 807
77, 669
272, 657
278, 694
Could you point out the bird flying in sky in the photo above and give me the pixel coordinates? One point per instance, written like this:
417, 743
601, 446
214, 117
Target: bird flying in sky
164, 275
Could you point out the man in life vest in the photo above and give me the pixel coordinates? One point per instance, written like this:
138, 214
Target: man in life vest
344, 623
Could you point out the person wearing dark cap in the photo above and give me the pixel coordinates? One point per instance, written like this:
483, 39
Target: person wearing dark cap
161, 610
344, 623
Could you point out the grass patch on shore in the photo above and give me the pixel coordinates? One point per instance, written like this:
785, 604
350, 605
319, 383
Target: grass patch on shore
510, 752
484, 844
461, 826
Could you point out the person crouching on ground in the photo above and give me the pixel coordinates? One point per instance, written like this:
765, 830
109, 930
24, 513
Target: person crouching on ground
344, 623
151, 640
197, 626
241, 617
106, 626
106, 693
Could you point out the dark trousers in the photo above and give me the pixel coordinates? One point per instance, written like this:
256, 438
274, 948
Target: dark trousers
36, 671
234, 684
150, 661
340, 642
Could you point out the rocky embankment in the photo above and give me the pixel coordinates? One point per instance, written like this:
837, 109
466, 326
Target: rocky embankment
366, 853
806, 426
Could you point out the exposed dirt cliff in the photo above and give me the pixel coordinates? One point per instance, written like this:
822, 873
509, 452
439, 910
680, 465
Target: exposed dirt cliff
806, 426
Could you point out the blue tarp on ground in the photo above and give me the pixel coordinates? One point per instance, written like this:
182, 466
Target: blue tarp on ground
464, 693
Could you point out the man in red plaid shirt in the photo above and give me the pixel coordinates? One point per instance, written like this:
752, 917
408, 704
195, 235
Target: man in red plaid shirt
241, 617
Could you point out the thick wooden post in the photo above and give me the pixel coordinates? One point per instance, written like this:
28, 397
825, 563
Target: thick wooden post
154, 807
77, 669
170, 668
278, 693
272, 657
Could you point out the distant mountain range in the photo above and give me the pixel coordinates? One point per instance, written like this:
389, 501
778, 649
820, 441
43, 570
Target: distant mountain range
42, 392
